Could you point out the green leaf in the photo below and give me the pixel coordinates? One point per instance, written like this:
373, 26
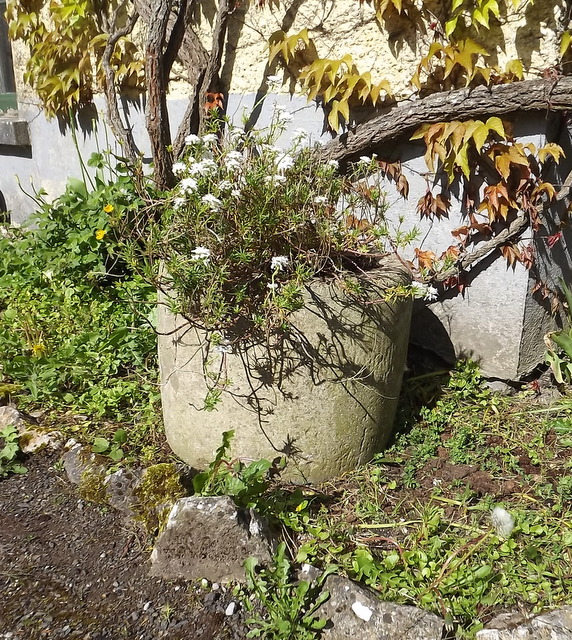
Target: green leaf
120, 436
100, 445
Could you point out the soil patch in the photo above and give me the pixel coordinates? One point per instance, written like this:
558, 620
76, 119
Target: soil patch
70, 569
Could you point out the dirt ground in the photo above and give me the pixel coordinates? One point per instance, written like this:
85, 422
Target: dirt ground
70, 569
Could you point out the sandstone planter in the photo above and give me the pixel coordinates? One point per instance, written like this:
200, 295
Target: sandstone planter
324, 394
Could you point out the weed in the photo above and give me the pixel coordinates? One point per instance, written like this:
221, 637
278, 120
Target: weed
244, 483
75, 322
10, 452
288, 606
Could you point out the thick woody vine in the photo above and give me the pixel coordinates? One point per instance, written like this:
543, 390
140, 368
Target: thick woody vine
455, 103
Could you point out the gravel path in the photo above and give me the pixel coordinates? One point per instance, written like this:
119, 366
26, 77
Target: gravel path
69, 569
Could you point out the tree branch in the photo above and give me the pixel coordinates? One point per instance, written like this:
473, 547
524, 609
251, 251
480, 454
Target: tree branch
120, 131
511, 233
405, 117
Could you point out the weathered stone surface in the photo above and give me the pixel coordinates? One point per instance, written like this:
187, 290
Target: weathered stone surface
11, 416
32, 440
554, 625
119, 488
355, 612
210, 538
324, 395
79, 459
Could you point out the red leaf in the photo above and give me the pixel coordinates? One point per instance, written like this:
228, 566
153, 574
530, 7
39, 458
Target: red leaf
554, 239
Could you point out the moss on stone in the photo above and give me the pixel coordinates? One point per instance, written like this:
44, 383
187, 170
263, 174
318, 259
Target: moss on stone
159, 488
92, 486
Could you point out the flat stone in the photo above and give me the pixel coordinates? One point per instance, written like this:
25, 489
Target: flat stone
79, 459
554, 625
210, 538
11, 416
119, 487
355, 612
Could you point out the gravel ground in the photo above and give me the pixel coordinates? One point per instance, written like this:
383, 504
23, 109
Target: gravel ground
70, 569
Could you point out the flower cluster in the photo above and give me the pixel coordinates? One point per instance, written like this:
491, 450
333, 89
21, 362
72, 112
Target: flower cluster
248, 223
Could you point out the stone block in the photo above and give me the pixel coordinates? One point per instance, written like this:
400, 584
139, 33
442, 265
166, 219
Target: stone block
355, 612
210, 538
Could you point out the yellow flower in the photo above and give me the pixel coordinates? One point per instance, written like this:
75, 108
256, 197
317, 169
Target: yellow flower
38, 350
100, 234
108, 208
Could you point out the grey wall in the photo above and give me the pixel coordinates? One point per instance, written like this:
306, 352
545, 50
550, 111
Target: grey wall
496, 321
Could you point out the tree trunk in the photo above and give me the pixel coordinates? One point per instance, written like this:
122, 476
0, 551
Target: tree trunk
405, 117
157, 116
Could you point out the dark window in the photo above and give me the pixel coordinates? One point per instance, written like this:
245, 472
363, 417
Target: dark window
7, 82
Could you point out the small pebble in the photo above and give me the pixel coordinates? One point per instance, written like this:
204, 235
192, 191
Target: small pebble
230, 609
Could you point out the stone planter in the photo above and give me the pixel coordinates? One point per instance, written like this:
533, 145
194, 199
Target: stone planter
324, 394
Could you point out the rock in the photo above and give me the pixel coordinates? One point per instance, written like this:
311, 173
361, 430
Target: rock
119, 487
11, 416
554, 625
356, 612
79, 459
32, 440
210, 538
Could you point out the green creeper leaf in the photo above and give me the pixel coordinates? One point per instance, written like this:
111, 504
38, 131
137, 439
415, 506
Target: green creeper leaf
100, 445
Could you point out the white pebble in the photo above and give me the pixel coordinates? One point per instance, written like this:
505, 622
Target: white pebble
230, 609
361, 611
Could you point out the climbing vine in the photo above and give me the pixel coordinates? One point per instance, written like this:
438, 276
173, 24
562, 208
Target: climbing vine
502, 183
66, 40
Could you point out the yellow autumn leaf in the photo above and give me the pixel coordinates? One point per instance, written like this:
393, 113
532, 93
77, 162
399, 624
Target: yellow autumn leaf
495, 124
565, 43
551, 149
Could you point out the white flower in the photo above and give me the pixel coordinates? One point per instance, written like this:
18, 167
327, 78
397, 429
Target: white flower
236, 134
284, 162
301, 134
424, 291
187, 184
225, 185
333, 164
320, 200
178, 202
192, 139
209, 138
503, 522
364, 160
235, 193
279, 262
275, 181
179, 168
282, 114
203, 168
223, 348
212, 201
200, 253
273, 81
431, 294
233, 160
272, 285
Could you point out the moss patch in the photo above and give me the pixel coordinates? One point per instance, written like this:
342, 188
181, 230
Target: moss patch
159, 489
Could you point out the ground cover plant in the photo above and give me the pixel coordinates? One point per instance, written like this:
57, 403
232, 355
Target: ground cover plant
76, 330
467, 514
